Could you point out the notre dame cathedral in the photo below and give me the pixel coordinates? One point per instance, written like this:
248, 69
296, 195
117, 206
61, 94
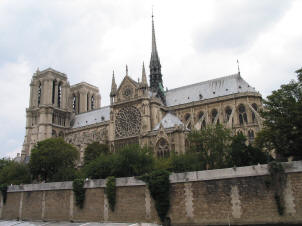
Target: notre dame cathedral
139, 113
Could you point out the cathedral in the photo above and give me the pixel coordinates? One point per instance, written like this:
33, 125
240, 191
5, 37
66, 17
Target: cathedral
139, 113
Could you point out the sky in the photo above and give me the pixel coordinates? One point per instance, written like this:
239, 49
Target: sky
196, 41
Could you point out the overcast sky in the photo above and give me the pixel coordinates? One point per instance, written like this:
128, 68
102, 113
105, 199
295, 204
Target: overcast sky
196, 41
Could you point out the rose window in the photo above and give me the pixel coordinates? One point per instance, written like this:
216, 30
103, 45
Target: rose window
128, 122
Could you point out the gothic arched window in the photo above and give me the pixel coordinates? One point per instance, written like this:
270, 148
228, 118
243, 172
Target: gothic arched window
162, 148
228, 112
214, 114
54, 133
242, 114
255, 107
39, 93
59, 94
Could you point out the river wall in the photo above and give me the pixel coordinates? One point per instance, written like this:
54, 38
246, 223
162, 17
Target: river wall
213, 197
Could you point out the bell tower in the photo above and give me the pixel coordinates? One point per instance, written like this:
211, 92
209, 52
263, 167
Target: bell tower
49, 111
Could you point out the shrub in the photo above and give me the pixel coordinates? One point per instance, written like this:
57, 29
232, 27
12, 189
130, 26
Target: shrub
79, 192
110, 191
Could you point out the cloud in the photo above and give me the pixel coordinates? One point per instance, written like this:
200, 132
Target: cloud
237, 24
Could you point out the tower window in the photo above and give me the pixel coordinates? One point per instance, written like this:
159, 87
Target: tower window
59, 94
74, 103
39, 93
87, 102
53, 91
92, 102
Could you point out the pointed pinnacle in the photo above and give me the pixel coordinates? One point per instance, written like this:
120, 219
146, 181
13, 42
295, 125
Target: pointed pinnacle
126, 70
144, 77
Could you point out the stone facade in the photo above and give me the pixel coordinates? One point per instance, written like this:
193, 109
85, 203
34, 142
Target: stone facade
138, 113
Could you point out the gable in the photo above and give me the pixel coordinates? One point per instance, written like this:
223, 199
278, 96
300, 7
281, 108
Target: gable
127, 89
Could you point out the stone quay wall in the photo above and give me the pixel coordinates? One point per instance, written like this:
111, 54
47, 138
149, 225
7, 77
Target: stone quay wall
235, 196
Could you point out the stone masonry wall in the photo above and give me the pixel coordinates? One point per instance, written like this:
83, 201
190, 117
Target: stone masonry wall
214, 197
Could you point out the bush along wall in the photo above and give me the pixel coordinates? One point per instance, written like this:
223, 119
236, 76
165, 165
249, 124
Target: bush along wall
110, 191
278, 182
79, 192
3, 188
159, 187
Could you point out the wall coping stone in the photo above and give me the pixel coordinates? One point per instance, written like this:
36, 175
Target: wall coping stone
217, 174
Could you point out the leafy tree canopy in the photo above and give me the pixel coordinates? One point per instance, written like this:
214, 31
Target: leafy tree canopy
53, 160
94, 150
213, 143
129, 161
244, 155
15, 173
283, 120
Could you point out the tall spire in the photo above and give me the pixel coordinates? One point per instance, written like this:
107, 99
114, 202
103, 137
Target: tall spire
156, 81
154, 55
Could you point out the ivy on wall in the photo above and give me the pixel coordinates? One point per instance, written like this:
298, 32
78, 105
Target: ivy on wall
3, 188
79, 191
110, 191
159, 187
278, 182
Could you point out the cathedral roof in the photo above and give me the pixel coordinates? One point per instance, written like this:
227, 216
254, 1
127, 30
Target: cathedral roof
169, 121
92, 117
209, 89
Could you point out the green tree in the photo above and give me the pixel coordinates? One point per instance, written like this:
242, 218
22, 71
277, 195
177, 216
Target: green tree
133, 160
189, 161
244, 155
15, 173
53, 160
212, 143
282, 130
129, 161
4, 162
93, 151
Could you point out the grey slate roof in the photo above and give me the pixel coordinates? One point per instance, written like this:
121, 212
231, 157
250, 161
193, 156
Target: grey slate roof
169, 121
209, 89
92, 117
